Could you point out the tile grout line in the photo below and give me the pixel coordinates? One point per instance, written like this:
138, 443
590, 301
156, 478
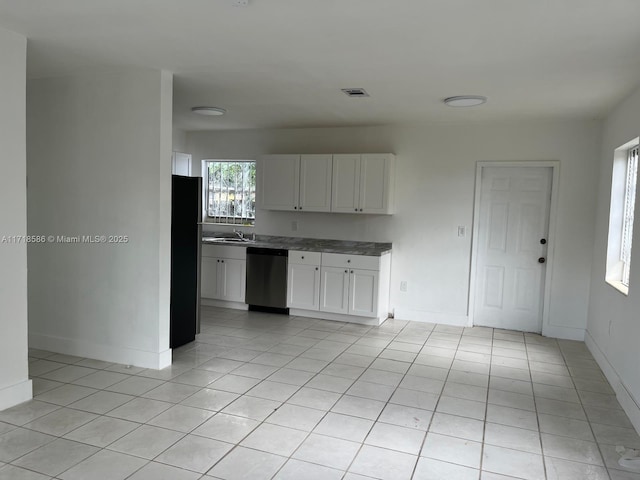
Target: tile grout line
486, 407
535, 406
604, 464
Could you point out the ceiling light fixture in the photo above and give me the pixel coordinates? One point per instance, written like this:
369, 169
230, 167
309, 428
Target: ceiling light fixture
209, 111
465, 101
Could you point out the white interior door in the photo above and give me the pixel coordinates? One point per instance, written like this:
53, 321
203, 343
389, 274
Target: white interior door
512, 231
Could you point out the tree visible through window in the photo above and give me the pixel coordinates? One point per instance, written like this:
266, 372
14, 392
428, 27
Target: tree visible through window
230, 191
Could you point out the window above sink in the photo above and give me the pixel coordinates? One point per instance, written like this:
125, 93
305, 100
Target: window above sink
229, 190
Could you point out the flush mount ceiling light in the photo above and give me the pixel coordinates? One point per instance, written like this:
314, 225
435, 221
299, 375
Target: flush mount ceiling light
465, 101
209, 111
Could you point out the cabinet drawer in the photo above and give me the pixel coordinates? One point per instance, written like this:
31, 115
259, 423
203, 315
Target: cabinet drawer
224, 251
350, 261
304, 258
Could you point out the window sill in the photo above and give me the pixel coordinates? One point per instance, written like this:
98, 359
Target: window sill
619, 286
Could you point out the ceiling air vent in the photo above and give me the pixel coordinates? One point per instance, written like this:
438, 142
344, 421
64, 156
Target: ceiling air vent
355, 92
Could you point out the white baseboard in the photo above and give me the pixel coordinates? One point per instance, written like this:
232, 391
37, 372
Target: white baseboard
431, 317
209, 302
565, 333
628, 403
336, 317
15, 394
107, 353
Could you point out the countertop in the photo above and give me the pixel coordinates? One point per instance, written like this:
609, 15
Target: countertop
305, 244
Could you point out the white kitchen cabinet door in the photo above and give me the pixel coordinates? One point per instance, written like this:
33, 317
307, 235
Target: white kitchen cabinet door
375, 183
209, 277
345, 195
315, 183
280, 184
303, 287
334, 289
232, 279
363, 293
181, 164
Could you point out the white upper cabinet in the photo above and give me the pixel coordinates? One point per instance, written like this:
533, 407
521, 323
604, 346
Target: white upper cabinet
280, 185
363, 183
376, 183
296, 182
346, 180
315, 183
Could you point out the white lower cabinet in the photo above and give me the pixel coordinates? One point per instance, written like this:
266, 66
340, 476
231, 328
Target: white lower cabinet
209, 277
232, 279
223, 273
338, 284
303, 287
349, 291
303, 280
363, 292
334, 290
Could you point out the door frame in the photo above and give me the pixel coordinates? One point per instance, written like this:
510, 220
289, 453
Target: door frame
553, 207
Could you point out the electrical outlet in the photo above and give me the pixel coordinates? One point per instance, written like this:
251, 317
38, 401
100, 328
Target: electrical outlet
403, 286
462, 231
294, 226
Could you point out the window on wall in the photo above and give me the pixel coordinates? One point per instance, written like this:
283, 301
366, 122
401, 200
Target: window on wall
621, 216
230, 191
629, 206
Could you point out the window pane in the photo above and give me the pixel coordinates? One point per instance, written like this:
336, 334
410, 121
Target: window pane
629, 207
231, 191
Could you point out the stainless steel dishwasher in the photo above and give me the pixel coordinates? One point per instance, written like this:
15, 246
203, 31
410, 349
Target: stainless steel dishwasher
267, 279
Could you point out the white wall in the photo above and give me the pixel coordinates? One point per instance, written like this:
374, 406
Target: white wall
614, 324
15, 387
434, 194
179, 138
99, 163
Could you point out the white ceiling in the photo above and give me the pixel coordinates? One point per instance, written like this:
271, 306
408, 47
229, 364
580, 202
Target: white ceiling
282, 63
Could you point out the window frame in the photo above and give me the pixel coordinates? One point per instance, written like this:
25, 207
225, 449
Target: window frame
243, 221
631, 185
621, 216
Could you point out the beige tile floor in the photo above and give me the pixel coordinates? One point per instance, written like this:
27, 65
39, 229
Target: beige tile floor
262, 396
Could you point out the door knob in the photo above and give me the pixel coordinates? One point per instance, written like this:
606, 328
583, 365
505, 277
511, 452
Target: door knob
542, 260
543, 241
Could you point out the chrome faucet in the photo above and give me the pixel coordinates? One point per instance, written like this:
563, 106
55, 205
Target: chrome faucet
239, 234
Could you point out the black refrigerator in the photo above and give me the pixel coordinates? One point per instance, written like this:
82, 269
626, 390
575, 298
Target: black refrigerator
186, 237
